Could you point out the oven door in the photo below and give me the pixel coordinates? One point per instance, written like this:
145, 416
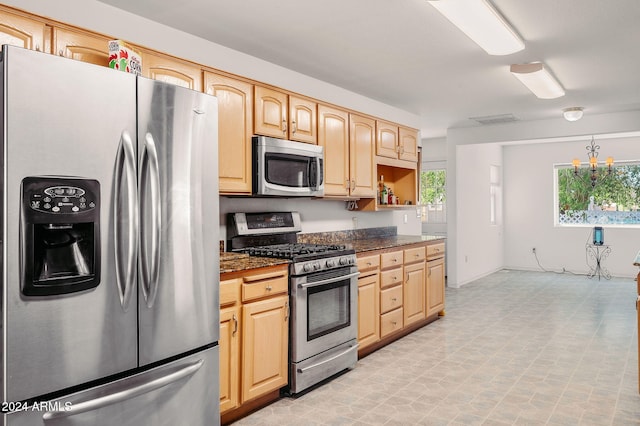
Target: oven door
324, 311
287, 168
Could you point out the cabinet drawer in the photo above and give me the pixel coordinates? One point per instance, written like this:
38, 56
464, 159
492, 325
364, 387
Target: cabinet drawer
263, 285
390, 322
435, 250
414, 255
389, 260
390, 298
367, 263
230, 291
367, 280
390, 277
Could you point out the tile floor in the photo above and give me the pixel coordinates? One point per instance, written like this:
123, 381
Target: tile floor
515, 348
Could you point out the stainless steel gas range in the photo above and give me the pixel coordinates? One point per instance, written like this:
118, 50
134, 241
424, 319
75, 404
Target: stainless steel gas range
323, 291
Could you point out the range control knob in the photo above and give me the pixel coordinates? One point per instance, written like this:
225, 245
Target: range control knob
316, 265
331, 263
308, 267
344, 261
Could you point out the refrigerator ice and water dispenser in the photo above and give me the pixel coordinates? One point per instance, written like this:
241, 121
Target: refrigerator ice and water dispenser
60, 235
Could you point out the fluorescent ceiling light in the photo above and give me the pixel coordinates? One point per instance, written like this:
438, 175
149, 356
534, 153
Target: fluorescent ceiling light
538, 79
482, 23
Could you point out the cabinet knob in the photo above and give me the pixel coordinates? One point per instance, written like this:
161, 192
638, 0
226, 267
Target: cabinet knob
268, 287
294, 128
369, 263
235, 325
284, 126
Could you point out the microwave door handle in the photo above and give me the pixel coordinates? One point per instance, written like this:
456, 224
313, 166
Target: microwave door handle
312, 175
318, 172
125, 261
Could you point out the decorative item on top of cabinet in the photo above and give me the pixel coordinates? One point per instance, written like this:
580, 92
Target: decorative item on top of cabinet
368, 300
235, 128
81, 45
284, 116
171, 70
24, 31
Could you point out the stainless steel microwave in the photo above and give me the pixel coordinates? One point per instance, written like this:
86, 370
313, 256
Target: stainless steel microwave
286, 168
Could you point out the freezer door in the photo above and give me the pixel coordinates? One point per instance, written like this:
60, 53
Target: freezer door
62, 117
179, 230
181, 393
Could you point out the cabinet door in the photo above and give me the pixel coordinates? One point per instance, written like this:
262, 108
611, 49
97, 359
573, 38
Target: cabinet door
81, 45
333, 135
386, 139
235, 128
368, 310
408, 144
414, 293
435, 286
271, 113
265, 333
24, 32
362, 134
229, 344
302, 117
171, 70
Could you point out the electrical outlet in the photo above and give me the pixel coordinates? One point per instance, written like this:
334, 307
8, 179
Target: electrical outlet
533, 250
405, 219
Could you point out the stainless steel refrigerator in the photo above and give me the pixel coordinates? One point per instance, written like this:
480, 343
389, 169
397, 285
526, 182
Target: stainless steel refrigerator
109, 247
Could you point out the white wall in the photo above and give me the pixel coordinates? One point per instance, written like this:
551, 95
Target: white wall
529, 207
479, 248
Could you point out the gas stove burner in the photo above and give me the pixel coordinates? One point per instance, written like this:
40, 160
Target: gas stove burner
292, 250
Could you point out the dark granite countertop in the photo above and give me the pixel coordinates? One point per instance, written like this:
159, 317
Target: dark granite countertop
380, 243
361, 240
231, 262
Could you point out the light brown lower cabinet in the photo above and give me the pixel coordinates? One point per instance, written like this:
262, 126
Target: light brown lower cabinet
254, 335
411, 292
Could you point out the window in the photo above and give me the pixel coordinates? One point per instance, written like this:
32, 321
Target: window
433, 196
614, 199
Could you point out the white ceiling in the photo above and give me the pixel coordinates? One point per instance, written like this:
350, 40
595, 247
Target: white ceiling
404, 53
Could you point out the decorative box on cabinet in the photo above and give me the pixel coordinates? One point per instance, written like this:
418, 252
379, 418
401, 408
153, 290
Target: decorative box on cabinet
280, 115
235, 128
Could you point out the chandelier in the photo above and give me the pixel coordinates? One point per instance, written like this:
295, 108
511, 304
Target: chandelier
592, 152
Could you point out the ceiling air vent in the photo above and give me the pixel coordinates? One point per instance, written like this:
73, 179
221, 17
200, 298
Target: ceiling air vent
495, 119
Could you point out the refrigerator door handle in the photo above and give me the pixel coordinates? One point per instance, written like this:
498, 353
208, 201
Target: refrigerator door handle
124, 394
125, 260
150, 179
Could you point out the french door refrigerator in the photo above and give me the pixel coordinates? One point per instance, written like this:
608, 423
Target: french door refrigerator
110, 232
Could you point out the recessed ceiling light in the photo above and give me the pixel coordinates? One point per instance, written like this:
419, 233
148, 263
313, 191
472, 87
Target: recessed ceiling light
538, 79
482, 23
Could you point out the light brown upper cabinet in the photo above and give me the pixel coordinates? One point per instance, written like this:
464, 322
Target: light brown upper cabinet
396, 142
235, 128
81, 45
362, 133
284, 116
170, 70
333, 135
22, 31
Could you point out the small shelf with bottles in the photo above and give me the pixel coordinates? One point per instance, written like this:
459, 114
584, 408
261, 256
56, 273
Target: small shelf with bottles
402, 182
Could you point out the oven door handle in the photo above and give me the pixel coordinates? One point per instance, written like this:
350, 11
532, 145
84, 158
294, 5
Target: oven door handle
329, 281
318, 364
